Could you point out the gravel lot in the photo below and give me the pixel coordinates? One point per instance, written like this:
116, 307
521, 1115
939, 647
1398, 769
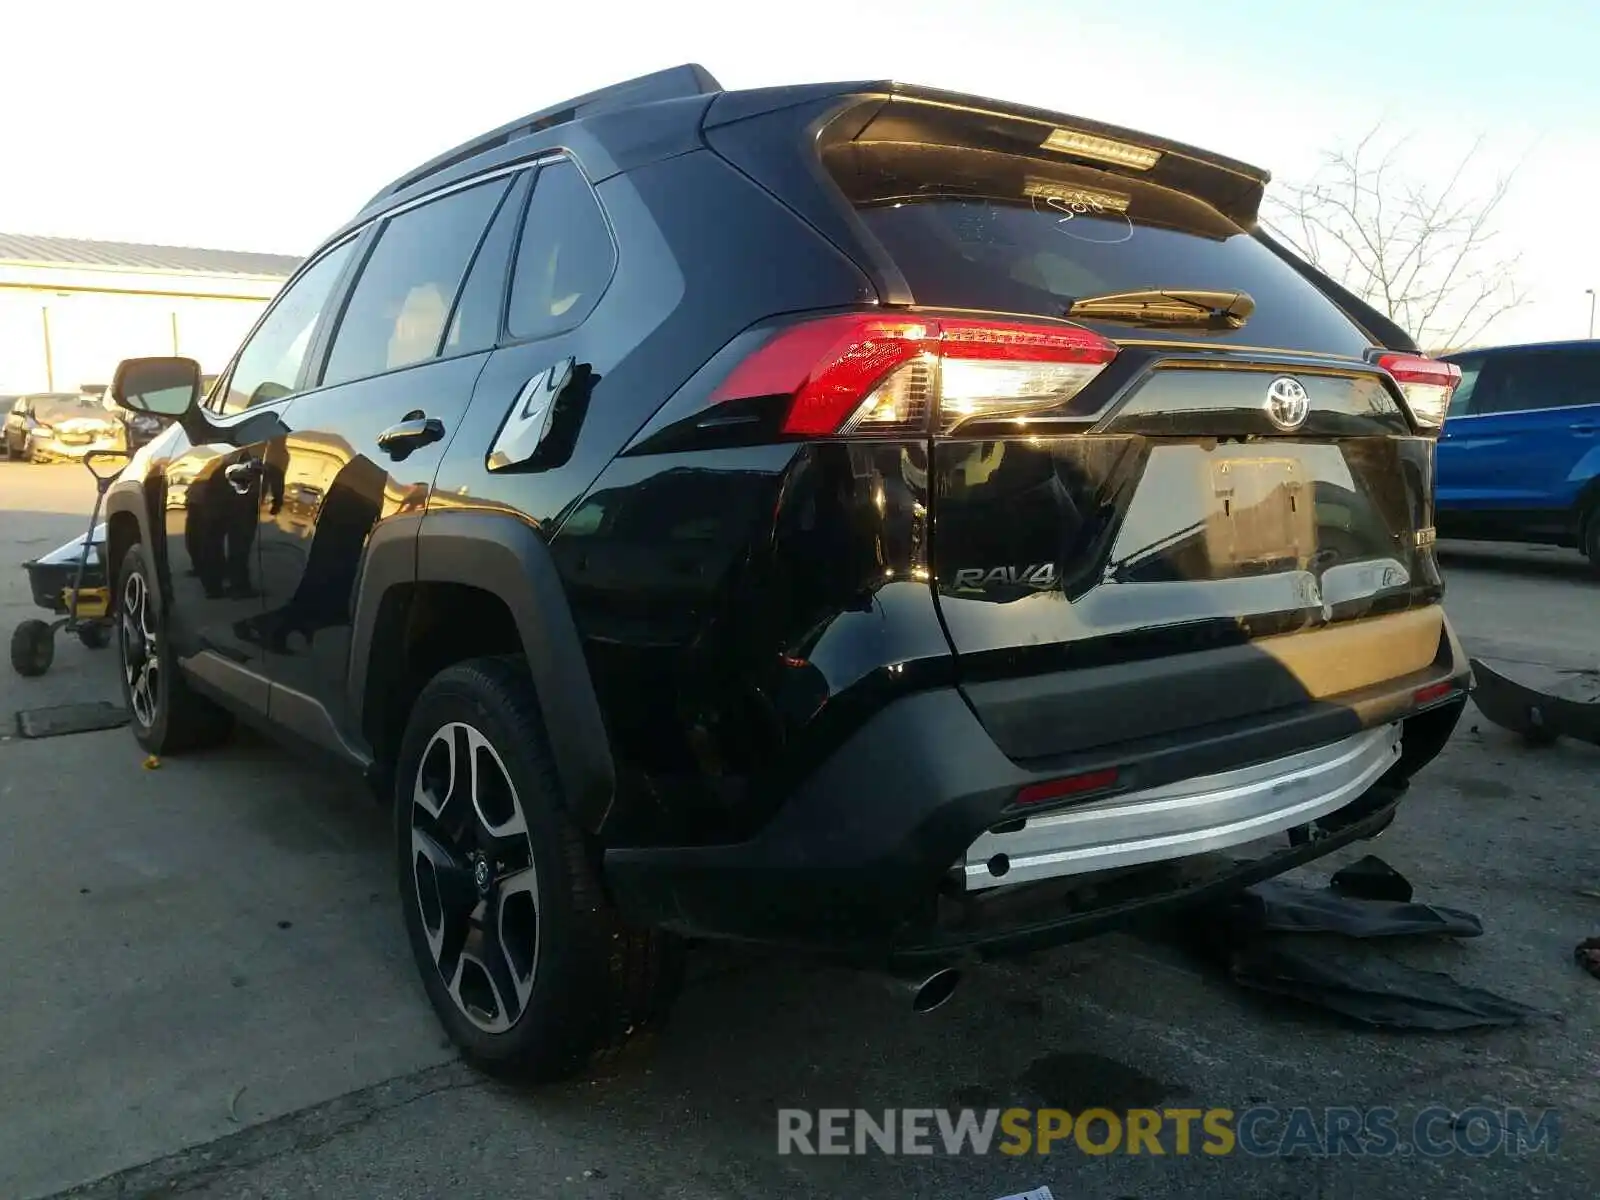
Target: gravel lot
207, 990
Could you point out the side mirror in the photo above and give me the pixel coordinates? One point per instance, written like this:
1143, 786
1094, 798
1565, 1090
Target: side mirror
166, 387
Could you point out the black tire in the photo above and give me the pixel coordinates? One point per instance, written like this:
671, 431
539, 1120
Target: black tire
33, 648
168, 717
590, 982
1591, 535
96, 637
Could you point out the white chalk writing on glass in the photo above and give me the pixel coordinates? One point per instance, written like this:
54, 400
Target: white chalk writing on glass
1109, 226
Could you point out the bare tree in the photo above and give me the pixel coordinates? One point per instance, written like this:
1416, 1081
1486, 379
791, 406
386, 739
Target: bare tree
1424, 252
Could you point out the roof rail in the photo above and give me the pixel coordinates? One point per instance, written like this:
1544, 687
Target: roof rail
690, 79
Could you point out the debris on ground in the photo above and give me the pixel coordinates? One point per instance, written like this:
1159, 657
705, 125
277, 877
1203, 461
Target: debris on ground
1369, 988
1316, 945
1587, 955
1278, 906
71, 718
1370, 878
1566, 703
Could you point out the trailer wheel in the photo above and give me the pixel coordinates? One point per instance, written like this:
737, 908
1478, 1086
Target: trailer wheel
33, 648
96, 637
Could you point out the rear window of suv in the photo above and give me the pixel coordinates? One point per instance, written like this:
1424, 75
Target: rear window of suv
1007, 233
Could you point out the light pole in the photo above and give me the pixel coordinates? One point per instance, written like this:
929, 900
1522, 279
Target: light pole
1589, 292
49, 358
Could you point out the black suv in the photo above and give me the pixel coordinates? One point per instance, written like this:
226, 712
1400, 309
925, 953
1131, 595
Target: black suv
886, 523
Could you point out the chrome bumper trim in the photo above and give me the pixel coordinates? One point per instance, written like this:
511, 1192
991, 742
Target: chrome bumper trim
1189, 817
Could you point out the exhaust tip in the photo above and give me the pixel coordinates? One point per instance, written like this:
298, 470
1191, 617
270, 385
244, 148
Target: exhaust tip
935, 990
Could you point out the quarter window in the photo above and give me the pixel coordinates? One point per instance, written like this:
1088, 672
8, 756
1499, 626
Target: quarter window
397, 311
565, 258
268, 367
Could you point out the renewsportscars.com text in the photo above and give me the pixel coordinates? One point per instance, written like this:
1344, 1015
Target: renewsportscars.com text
1261, 1131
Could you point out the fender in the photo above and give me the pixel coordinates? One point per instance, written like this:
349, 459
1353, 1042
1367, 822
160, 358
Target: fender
502, 555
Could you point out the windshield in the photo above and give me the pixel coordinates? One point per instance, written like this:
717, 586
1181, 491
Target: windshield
975, 229
51, 409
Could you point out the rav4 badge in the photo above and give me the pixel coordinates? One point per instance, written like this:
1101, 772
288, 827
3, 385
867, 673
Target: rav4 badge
1040, 576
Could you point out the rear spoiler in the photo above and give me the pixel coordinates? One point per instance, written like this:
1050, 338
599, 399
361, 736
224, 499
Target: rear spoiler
913, 113
1378, 326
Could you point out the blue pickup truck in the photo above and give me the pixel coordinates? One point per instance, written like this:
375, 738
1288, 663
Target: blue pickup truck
1519, 456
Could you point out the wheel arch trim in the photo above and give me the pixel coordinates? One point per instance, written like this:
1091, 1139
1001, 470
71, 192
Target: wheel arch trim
504, 556
127, 498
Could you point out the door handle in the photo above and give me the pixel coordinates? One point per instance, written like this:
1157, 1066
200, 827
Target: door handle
1585, 430
414, 432
243, 476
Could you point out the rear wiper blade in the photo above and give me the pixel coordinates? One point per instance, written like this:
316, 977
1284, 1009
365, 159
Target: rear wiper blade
1168, 306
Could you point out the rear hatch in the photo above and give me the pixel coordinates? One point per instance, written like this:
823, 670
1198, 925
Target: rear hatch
1169, 461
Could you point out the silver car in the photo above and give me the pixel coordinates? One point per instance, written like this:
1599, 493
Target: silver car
61, 425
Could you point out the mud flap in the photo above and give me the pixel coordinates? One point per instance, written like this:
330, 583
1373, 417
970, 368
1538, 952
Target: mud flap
1539, 716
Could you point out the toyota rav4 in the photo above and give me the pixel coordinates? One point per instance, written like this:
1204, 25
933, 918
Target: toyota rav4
899, 526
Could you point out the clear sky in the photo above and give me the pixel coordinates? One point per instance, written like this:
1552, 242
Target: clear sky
262, 126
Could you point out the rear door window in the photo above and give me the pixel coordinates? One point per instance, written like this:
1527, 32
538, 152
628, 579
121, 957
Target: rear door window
397, 311
475, 324
1008, 233
1537, 379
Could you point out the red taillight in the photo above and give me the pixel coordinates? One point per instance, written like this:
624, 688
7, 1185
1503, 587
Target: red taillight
1071, 785
1426, 383
865, 373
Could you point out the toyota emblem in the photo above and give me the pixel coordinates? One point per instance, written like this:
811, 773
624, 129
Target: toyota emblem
1288, 402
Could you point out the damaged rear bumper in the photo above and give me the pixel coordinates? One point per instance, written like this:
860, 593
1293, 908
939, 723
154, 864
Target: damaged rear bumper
872, 859
1031, 917
1193, 816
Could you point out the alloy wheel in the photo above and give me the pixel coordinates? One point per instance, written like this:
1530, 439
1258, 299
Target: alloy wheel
141, 662
476, 886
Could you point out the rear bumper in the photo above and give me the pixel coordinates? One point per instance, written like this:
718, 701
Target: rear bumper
1212, 812
869, 860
